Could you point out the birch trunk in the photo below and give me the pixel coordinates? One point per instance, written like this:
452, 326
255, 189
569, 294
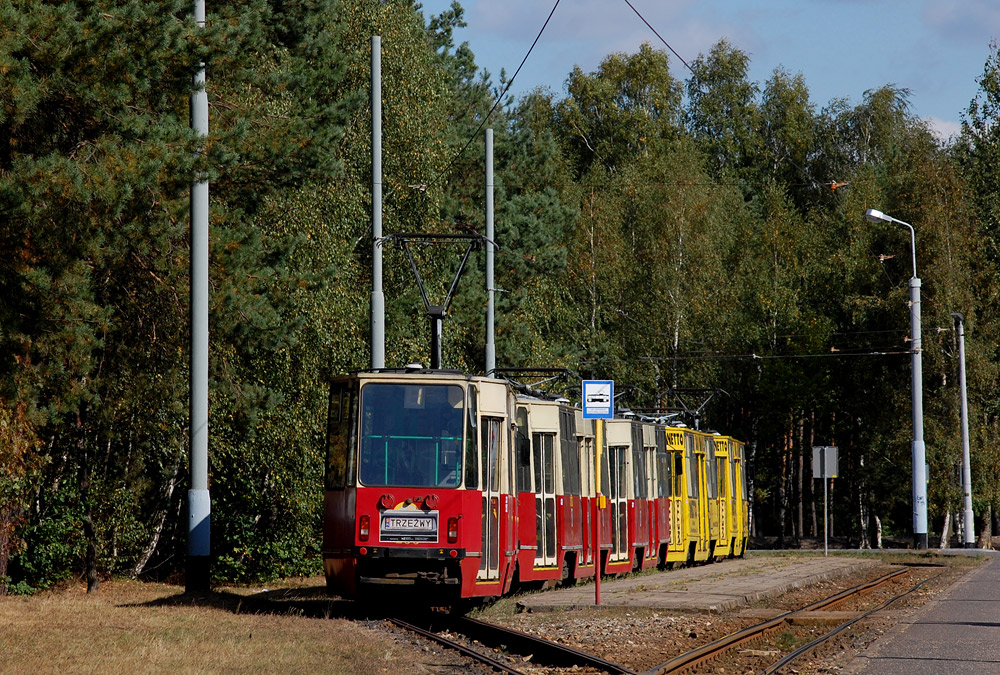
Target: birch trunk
946, 530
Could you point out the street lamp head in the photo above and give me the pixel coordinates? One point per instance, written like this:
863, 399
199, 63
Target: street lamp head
877, 216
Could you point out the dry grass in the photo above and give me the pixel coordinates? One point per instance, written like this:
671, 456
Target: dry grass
137, 627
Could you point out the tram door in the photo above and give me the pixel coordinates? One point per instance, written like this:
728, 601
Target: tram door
618, 501
543, 458
489, 563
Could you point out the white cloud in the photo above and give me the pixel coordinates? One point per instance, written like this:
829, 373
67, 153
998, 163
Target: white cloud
945, 130
963, 20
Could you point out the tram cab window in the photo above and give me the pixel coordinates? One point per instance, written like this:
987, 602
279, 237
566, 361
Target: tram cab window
411, 434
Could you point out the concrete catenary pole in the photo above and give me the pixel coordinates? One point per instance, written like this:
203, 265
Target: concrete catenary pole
198, 576
491, 348
970, 519
378, 297
918, 450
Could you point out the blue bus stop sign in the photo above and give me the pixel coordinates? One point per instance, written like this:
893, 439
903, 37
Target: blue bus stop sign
598, 399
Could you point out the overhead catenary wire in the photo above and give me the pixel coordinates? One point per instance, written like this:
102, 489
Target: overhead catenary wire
650, 26
496, 104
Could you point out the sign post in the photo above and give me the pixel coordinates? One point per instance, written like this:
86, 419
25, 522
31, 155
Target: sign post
598, 405
825, 465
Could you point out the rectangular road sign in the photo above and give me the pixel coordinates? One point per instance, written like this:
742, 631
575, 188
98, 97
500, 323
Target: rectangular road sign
825, 461
598, 399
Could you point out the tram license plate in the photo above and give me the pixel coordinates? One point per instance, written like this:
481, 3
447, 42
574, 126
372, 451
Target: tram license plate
409, 526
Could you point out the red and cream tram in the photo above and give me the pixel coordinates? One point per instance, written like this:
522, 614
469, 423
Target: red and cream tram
454, 486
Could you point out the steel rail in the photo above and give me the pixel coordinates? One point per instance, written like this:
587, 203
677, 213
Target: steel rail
710, 651
791, 656
542, 650
462, 649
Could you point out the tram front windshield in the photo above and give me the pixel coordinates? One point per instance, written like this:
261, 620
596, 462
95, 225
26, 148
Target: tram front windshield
411, 434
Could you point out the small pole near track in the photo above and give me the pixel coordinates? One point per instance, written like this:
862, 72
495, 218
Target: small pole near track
598, 405
598, 443
825, 466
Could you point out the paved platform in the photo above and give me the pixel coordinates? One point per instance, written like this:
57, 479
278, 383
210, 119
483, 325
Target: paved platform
726, 585
955, 633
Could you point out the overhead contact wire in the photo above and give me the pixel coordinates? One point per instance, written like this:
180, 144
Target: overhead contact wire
510, 82
650, 26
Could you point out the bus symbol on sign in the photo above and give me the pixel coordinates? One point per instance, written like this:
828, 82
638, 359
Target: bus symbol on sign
598, 399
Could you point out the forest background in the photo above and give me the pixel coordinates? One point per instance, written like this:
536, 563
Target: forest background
664, 233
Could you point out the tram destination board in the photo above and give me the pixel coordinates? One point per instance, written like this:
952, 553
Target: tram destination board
403, 526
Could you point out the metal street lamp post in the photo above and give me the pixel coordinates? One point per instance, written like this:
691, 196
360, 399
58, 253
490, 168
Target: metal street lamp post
916, 372
969, 533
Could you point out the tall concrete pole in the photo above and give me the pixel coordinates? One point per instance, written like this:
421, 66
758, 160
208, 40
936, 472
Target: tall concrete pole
199, 575
378, 297
970, 518
491, 348
918, 451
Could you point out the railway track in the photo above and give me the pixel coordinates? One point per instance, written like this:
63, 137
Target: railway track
473, 654
691, 660
541, 651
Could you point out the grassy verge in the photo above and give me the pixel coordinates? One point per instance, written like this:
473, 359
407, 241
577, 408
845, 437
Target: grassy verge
139, 627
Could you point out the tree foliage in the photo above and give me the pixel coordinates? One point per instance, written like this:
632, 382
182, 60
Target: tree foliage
713, 240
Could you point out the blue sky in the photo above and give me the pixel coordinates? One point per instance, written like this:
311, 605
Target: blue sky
934, 48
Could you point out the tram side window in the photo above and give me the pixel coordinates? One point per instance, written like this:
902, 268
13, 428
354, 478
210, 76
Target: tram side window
639, 474
690, 461
678, 474
570, 454
339, 432
711, 482
491, 454
471, 451
721, 473
522, 451
664, 479
542, 448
